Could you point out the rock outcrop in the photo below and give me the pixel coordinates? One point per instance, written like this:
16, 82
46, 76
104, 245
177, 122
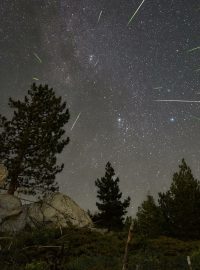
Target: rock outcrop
57, 210
11, 213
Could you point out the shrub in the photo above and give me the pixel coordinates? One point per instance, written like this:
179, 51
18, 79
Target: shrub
195, 259
36, 266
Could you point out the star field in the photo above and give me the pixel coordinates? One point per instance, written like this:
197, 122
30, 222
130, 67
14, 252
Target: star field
112, 76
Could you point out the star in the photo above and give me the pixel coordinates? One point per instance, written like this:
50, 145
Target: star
119, 119
172, 119
91, 58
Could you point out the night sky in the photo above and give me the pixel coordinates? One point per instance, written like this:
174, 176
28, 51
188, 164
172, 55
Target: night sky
111, 73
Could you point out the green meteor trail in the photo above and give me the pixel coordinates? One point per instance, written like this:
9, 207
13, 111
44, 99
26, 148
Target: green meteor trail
38, 58
195, 117
194, 49
135, 12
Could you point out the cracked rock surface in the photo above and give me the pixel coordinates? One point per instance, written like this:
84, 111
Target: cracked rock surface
56, 210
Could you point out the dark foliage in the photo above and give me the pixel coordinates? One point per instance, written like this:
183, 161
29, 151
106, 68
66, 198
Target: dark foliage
180, 205
111, 208
148, 220
31, 140
177, 212
82, 249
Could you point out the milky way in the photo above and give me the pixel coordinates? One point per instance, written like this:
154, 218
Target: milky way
111, 72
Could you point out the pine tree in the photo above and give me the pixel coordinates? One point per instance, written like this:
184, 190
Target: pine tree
31, 140
180, 205
148, 218
112, 209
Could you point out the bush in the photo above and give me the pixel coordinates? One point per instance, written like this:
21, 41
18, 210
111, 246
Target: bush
195, 259
36, 266
82, 249
94, 263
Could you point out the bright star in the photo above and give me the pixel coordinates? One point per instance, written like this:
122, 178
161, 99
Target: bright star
119, 119
91, 57
172, 119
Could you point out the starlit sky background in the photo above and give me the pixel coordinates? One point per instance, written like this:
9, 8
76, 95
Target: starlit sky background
111, 73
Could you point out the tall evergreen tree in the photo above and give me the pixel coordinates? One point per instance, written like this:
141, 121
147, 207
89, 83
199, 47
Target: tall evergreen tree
112, 209
31, 140
148, 218
180, 205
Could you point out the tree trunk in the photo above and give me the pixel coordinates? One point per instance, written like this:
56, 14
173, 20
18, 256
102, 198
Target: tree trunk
130, 236
12, 186
14, 174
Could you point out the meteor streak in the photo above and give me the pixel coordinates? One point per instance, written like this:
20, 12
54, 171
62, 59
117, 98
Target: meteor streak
158, 87
177, 100
194, 117
96, 63
100, 16
75, 121
38, 58
36, 79
194, 49
135, 12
